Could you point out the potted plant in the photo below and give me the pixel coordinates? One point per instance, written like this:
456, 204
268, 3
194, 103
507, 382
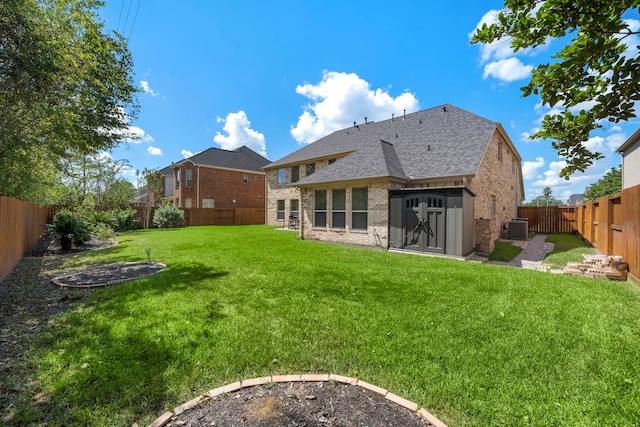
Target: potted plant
67, 229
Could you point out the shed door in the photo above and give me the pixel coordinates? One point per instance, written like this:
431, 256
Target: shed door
424, 222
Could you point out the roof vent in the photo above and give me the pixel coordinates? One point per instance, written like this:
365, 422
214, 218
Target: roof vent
354, 124
444, 109
365, 120
392, 114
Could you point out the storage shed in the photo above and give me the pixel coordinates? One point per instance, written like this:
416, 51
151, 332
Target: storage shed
432, 220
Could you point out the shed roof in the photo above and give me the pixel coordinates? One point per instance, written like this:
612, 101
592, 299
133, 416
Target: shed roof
438, 142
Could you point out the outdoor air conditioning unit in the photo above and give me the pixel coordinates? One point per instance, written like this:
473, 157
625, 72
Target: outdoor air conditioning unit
519, 228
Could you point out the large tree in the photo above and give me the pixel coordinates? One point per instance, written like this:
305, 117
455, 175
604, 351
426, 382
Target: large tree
546, 199
608, 185
593, 78
66, 85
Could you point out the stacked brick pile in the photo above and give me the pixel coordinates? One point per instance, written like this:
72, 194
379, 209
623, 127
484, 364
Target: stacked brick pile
599, 267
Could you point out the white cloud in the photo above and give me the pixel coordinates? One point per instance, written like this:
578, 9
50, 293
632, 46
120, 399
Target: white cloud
186, 153
530, 169
154, 151
147, 89
507, 70
138, 135
499, 49
239, 133
613, 142
340, 99
594, 143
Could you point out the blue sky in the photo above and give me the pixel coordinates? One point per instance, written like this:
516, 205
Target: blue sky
277, 75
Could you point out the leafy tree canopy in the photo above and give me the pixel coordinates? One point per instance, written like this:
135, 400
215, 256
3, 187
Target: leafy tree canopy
609, 184
593, 78
546, 199
65, 86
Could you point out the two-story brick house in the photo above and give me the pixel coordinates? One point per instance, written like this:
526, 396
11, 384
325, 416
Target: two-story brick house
441, 180
217, 178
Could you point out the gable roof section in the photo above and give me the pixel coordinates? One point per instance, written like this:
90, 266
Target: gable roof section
629, 143
242, 158
438, 142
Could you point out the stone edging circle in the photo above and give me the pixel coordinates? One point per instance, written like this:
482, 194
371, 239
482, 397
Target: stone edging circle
163, 419
106, 275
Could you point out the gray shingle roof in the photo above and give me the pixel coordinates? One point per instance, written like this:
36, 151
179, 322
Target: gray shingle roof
437, 142
242, 158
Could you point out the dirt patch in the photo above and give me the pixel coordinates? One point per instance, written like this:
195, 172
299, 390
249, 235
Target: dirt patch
107, 275
326, 404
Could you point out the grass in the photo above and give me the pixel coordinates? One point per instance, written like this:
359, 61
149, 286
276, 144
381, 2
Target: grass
475, 344
504, 251
567, 248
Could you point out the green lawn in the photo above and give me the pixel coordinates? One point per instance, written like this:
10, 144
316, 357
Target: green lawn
504, 251
567, 248
475, 344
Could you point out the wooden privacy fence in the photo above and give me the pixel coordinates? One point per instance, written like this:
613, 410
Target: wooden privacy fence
21, 225
613, 225
549, 219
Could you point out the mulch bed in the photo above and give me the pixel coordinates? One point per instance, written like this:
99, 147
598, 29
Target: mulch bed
322, 404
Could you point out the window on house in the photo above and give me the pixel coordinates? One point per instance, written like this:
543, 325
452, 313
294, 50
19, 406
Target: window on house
338, 207
245, 179
359, 208
280, 210
187, 202
208, 203
493, 207
295, 173
177, 202
177, 179
295, 211
500, 151
320, 208
282, 176
188, 176
513, 165
311, 168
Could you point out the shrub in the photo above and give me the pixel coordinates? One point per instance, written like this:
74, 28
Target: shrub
68, 229
126, 220
168, 217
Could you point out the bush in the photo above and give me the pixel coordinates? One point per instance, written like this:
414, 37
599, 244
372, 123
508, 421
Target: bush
68, 229
126, 220
168, 217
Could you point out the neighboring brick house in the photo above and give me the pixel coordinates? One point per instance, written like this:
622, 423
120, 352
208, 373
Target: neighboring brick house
630, 152
441, 180
217, 178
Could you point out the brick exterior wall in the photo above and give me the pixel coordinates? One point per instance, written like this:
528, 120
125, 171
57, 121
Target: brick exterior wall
498, 178
226, 187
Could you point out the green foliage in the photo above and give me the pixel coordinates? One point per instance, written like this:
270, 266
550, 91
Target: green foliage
504, 251
66, 86
546, 199
593, 67
168, 216
608, 185
476, 344
127, 220
68, 228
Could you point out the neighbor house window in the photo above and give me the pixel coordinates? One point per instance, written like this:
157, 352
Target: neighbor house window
295, 211
245, 179
359, 208
282, 176
177, 179
320, 208
187, 202
208, 203
311, 168
178, 202
500, 151
280, 210
188, 176
338, 207
295, 173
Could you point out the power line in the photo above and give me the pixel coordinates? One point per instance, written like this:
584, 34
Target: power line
134, 19
120, 17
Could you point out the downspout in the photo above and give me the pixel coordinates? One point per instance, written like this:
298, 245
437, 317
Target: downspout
198, 189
